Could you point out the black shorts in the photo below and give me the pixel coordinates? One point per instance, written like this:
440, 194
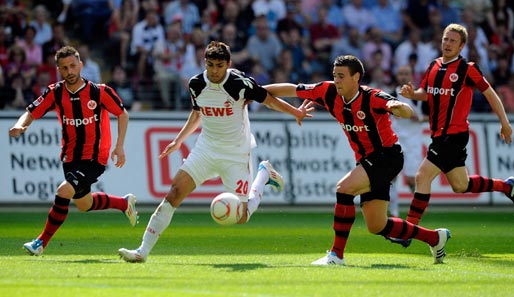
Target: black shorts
82, 174
382, 167
449, 151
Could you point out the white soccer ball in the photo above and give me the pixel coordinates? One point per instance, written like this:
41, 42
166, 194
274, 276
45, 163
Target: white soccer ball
226, 209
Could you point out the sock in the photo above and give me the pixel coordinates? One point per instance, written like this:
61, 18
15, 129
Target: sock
417, 207
393, 201
256, 193
398, 228
56, 216
105, 201
479, 184
159, 221
344, 216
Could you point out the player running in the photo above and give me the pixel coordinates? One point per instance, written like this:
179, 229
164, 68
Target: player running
83, 109
219, 96
448, 86
363, 114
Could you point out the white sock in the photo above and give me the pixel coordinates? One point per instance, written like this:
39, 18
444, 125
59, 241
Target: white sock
159, 221
393, 201
256, 191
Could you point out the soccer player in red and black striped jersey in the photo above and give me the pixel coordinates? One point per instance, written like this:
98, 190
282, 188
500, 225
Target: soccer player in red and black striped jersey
448, 86
363, 114
83, 109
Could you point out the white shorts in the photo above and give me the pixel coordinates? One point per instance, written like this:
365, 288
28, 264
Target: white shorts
237, 176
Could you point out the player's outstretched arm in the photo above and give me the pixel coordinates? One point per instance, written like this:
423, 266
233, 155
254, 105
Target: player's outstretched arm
498, 108
400, 109
193, 122
118, 153
21, 125
299, 113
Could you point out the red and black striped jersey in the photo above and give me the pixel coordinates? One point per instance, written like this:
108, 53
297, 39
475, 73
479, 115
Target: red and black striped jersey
84, 117
449, 89
365, 119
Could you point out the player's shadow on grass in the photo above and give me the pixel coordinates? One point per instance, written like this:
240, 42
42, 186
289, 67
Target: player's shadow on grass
239, 267
86, 261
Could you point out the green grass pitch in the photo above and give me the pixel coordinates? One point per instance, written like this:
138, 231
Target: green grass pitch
269, 256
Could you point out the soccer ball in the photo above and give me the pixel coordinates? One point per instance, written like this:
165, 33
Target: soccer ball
226, 209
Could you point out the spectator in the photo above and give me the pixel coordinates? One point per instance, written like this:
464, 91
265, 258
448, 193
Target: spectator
43, 80
168, 56
182, 10
40, 22
416, 14
274, 10
33, 51
145, 34
240, 56
15, 94
358, 16
90, 69
350, 43
300, 52
322, 36
123, 19
57, 41
50, 67
288, 22
192, 68
123, 87
389, 20
449, 14
375, 43
409, 46
334, 16
92, 17
264, 46
4, 46
482, 13
17, 66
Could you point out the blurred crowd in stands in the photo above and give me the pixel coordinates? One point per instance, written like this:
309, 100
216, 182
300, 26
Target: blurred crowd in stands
148, 49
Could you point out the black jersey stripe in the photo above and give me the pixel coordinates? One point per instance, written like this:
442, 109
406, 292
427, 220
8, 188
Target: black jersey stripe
373, 134
57, 92
462, 70
94, 95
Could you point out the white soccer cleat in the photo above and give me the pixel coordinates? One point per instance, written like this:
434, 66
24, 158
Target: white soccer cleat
438, 251
510, 182
34, 247
330, 259
131, 212
275, 179
131, 256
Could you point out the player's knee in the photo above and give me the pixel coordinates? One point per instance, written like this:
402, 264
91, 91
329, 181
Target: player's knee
65, 190
459, 188
173, 197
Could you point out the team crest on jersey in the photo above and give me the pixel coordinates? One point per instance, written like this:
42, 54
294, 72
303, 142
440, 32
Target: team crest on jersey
454, 77
91, 104
38, 101
361, 115
228, 103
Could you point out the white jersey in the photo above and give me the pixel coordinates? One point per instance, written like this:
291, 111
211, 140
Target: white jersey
224, 114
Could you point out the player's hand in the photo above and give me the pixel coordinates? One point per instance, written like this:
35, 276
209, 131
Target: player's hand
118, 157
170, 148
407, 90
506, 133
17, 131
305, 108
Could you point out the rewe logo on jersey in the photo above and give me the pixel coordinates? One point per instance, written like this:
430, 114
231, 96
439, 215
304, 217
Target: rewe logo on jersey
79, 122
217, 111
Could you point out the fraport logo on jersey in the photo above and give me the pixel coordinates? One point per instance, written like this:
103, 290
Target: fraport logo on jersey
441, 91
79, 122
355, 128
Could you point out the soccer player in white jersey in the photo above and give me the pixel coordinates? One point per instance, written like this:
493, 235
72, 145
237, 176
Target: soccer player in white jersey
219, 98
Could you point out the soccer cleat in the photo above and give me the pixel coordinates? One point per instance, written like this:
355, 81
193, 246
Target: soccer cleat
510, 181
131, 256
404, 242
34, 248
330, 259
275, 179
438, 250
131, 212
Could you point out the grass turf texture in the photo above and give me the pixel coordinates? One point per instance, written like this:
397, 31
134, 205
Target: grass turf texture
270, 256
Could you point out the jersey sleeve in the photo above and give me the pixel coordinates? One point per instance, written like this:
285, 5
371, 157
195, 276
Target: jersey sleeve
313, 92
43, 104
110, 99
252, 90
477, 78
